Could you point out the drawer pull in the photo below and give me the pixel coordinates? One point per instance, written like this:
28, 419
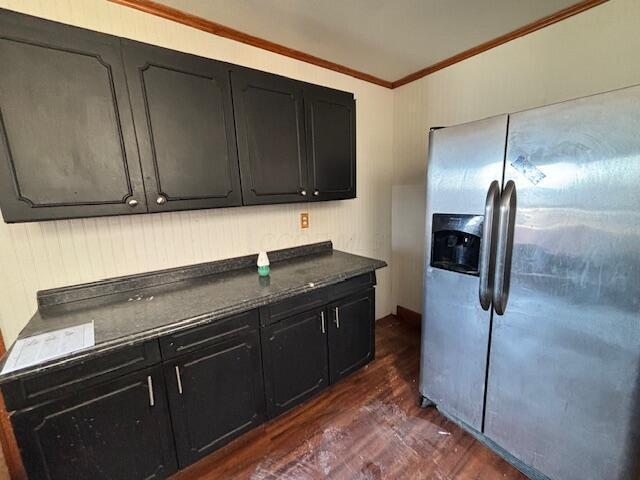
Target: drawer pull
152, 401
179, 380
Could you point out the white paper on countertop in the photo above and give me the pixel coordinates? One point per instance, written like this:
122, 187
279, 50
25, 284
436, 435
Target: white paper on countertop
47, 346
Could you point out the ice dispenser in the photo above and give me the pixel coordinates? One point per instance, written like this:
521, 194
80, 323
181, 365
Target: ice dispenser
455, 242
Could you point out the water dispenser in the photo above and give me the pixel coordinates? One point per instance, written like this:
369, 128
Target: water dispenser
455, 242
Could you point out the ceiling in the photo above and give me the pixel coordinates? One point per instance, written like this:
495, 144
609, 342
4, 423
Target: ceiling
389, 39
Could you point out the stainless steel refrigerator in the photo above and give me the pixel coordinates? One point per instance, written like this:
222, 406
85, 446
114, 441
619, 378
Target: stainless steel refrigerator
531, 321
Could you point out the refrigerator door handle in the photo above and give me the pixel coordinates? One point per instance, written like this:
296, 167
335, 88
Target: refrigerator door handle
487, 245
507, 217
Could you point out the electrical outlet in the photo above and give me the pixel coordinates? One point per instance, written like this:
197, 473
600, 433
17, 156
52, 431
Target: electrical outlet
304, 220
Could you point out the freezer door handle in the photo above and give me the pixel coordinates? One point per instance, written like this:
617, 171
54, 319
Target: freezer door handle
504, 247
487, 245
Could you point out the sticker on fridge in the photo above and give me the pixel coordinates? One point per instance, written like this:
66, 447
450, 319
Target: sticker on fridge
528, 169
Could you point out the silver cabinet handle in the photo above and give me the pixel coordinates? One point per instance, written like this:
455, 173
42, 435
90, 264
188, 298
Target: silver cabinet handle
161, 200
178, 379
504, 247
337, 317
303, 193
322, 322
152, 401
316, 193
133, 202
487, 244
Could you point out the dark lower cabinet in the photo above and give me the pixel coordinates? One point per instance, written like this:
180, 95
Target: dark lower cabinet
271, 139
331, 143
117, 417
351, 334
67, 143
184, 123
295, 360
216, 394
118, 430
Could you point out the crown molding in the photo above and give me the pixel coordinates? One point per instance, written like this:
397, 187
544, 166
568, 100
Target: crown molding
483, 47
169, 13
214, 28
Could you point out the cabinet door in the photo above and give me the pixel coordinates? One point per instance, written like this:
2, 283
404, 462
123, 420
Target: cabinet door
67, 144
270, 127
184, 124
331, 143
295, 360
118, 430
216, 394
351, 334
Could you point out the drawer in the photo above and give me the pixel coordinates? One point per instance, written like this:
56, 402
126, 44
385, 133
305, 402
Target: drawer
59, 382
270, 314
197, 337
355, 284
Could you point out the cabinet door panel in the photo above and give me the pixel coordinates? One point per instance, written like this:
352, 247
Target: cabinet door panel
331, 143
216, 394
295, 360
67, 145
351, 334
107, 432
271, 147
184, 123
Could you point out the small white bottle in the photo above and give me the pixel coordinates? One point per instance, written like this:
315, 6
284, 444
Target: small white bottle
263, 264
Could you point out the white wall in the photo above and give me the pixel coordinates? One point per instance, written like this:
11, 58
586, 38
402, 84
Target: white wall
42, 255
594, 51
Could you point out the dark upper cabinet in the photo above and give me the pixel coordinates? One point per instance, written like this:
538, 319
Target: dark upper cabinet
216, 393
351, 334
184, 123
207, 134
295, 360
269, 117
117, 430
67, 143
331, 143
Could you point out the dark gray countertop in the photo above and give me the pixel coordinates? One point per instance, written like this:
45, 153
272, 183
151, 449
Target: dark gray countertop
133, 309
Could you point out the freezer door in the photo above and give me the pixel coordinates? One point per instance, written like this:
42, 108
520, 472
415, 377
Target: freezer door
564, 371
463, 162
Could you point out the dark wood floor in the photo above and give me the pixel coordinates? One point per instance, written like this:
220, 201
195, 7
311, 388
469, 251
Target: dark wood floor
366, 427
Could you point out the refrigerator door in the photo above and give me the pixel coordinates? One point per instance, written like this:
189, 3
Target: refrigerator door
564, 371
463, 162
